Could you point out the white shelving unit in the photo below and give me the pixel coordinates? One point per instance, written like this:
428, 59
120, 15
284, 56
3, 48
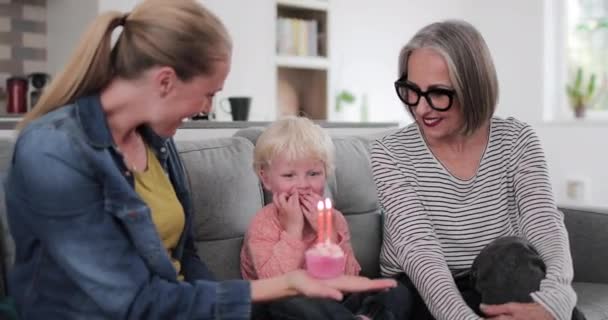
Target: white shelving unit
302, 59
305, 4
297, 62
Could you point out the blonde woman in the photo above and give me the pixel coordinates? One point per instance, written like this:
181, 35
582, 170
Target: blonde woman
470, 221
96, 197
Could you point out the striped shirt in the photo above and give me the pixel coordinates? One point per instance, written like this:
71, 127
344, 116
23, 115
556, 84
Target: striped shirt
436, 223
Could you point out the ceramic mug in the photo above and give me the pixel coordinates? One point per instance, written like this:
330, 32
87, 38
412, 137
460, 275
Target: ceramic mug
238, 107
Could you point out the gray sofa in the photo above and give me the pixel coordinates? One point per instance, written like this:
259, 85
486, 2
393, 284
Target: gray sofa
226, 194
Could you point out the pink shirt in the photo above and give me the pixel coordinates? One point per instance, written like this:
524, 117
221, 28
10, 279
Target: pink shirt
269, 251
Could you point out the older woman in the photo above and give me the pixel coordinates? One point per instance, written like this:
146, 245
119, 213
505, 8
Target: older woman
470, 216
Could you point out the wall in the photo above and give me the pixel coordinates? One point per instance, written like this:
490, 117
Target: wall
66, 20
251, 25
365, 41
119, 5
575, 150
22, 40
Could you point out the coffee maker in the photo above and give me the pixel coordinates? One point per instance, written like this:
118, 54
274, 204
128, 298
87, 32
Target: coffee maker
38, 81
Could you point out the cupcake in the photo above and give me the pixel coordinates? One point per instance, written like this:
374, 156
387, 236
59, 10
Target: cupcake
325, 261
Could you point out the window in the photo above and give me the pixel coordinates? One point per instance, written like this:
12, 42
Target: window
586, 55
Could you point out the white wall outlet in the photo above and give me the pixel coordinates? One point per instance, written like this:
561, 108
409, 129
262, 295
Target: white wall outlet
577, 189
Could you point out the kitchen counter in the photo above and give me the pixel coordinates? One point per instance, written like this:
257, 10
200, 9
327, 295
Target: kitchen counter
206, 124
8, 123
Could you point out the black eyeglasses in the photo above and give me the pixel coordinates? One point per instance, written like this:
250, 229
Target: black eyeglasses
438, 98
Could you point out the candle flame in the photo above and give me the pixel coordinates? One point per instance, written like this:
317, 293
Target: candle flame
327, 203
320, 205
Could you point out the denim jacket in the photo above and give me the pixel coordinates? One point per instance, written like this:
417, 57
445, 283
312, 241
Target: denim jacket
86, 246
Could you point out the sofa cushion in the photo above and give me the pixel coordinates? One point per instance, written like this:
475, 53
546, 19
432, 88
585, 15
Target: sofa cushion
225, 195
7, 246
6, 150
4, 235
588, 235
352, 185
592, 299
354, 193
366, 244
252, 133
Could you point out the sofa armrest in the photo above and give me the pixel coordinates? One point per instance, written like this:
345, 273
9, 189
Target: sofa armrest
588, 233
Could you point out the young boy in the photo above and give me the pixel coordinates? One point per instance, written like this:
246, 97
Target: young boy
293, 158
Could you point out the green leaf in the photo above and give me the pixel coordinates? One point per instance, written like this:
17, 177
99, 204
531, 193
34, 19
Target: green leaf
591, 86
579, 79
344, 96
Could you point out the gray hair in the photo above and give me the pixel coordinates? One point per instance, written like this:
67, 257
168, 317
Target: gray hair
470, 65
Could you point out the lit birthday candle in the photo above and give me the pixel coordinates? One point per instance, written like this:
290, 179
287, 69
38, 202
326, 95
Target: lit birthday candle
325, 260
320, 220
328, 220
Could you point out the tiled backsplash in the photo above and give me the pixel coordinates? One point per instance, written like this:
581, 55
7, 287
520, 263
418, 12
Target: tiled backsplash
22, 40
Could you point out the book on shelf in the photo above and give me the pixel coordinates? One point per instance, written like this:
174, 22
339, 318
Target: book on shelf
297, 37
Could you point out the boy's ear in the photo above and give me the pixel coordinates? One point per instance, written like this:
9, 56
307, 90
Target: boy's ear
263, 174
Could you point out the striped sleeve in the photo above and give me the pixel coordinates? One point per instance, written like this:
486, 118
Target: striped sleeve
542, 225
410, 236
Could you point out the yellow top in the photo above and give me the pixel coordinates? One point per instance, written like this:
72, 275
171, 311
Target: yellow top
155, 188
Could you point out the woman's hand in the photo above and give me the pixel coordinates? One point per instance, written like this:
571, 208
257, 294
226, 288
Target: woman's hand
290, 213
298, 282
516, 311
303, 284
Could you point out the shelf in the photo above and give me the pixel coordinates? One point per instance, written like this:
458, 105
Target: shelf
302, 63
10, 117
319, 5
316, 63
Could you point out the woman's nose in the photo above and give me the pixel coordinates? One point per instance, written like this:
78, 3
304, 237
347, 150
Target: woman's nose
422, 107
207, 106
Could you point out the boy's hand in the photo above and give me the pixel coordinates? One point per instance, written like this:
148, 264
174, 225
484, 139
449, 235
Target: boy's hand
290, 213
309, 208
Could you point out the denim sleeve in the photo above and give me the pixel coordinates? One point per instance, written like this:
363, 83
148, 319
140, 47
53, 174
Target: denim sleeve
56, 192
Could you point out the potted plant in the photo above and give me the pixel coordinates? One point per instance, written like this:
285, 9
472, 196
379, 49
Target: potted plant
344, 97
580, 93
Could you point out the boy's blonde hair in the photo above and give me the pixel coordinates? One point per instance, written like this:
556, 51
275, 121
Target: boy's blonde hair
295, 138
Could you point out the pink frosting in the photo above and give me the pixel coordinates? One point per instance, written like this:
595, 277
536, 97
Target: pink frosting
325, 261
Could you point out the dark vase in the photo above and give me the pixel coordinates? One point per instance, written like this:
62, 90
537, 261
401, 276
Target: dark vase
579, 111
